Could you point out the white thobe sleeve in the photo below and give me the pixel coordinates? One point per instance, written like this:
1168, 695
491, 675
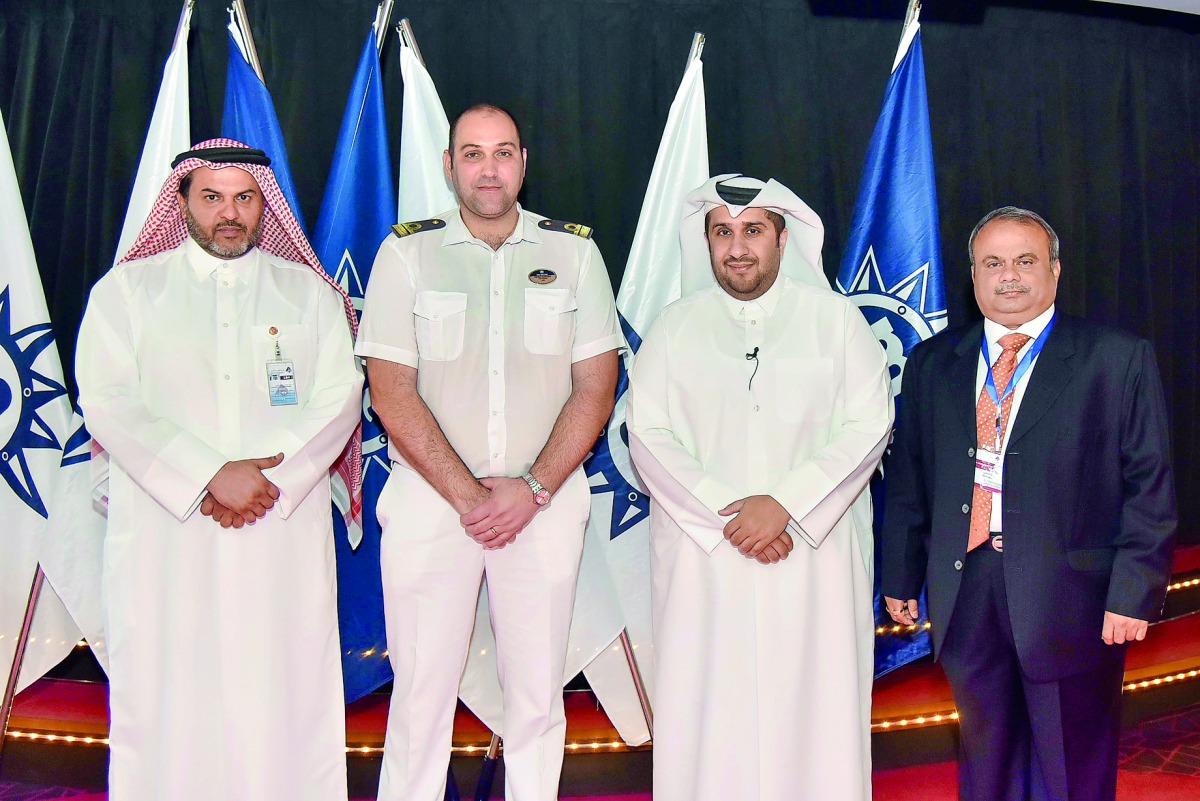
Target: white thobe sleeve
318, 435
819, 490
171, 464
676, 480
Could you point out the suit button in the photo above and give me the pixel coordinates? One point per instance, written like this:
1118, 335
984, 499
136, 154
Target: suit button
958, 565
970, 451
966, 508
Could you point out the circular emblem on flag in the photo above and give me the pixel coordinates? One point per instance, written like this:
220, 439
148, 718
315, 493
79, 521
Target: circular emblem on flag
543, 276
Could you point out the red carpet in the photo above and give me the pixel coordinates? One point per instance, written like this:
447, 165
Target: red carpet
940, 783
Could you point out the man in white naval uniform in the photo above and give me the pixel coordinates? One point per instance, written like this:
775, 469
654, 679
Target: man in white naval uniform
759, 408
491, 342
217, 372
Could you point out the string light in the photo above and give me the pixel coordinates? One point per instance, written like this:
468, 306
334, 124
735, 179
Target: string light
917, 722
897, 628
1160, 680
1183, 585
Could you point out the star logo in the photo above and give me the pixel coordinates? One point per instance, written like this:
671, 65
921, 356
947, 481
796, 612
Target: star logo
347, 275
900, 315
609, 469
23, 393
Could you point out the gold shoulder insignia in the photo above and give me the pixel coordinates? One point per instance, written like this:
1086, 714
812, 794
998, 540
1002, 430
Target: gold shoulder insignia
406, 228
566, 228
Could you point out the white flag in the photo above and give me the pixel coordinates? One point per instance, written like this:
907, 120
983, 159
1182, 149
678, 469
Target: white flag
169, 135
424, 135
35, 420
620, 508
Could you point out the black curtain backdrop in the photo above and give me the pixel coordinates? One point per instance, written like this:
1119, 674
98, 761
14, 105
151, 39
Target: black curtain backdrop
1086, 112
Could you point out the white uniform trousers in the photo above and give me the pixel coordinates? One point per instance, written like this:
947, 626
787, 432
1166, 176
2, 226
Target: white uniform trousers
431, 577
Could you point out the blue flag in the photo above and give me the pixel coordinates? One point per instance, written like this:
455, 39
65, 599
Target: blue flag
356, 214
892, 268
249, 117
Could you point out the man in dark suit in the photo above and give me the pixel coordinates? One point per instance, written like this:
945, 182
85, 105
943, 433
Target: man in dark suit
1036, 499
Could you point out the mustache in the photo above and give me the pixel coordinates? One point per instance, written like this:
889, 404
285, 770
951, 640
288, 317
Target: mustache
729, 260
1015, 286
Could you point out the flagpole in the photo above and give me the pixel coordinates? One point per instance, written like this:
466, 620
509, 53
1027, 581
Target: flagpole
383, 15
914, 7
238, 9
10, 690
698, 46
406, 35
184, 17
636, 674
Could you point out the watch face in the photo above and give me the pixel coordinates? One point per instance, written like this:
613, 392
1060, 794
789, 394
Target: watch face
541, 497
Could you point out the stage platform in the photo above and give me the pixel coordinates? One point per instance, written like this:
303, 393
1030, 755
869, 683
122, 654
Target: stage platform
59, 727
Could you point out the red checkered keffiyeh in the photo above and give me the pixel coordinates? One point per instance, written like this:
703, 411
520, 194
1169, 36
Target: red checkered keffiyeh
282, 236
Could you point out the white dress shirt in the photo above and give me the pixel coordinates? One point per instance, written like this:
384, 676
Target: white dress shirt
994, 331
492, 346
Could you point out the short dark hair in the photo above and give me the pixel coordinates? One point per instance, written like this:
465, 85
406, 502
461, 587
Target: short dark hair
492, 107
1017, 215
775, 217
185, 184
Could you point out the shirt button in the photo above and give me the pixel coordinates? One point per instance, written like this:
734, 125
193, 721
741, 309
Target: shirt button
497, 292
224, 325
495, 372
966, 508
958, 565
752, 322
227, 378
434, 316
495, 456
756, 407
970, 451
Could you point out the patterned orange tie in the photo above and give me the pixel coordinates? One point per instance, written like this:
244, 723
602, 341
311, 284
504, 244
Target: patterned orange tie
986, 431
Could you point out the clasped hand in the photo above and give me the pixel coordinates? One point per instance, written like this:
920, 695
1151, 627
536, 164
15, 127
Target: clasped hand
758, 528
239, 494
503, 514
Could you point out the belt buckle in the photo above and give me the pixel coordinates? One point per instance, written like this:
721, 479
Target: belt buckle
998, 543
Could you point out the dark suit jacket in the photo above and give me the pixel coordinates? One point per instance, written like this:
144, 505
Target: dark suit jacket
1088, 501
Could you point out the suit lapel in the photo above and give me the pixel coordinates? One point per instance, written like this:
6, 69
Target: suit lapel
1050, 375
962, 376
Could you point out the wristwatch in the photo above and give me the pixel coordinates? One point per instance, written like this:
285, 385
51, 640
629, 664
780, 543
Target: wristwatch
541, 495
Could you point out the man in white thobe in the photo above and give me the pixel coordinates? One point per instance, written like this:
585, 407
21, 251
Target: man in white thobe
217, 372
759, 408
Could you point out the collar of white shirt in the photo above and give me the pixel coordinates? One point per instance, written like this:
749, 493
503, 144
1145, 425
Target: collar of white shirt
764, 305
205, 264
457, 231
1033, 329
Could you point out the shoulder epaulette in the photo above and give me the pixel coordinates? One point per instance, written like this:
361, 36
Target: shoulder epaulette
566, 228
406, 228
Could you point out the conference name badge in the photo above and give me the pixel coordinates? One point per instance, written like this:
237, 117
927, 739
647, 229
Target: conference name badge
989, 470
281, 376
543, 276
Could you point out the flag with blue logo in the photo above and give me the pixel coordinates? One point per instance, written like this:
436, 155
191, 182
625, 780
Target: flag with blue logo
249, 116
35, 424
356, 214
892, 268
618, 531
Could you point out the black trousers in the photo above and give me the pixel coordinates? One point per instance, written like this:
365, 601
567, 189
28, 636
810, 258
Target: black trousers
1022, 740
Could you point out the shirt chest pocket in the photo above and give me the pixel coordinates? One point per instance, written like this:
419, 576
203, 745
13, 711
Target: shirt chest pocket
440, 318
296, 344
549, 320
804, 389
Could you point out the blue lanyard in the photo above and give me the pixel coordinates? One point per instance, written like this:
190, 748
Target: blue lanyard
1022, 367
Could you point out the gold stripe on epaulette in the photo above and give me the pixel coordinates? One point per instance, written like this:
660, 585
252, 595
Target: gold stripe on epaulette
406, 228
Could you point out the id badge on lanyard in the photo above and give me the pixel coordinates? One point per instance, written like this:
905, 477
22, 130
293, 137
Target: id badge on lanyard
281, 376
989, 461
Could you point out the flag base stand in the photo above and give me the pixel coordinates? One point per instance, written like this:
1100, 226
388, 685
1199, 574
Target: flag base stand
10, 690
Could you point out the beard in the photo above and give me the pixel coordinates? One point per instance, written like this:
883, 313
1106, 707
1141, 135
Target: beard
207, 239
